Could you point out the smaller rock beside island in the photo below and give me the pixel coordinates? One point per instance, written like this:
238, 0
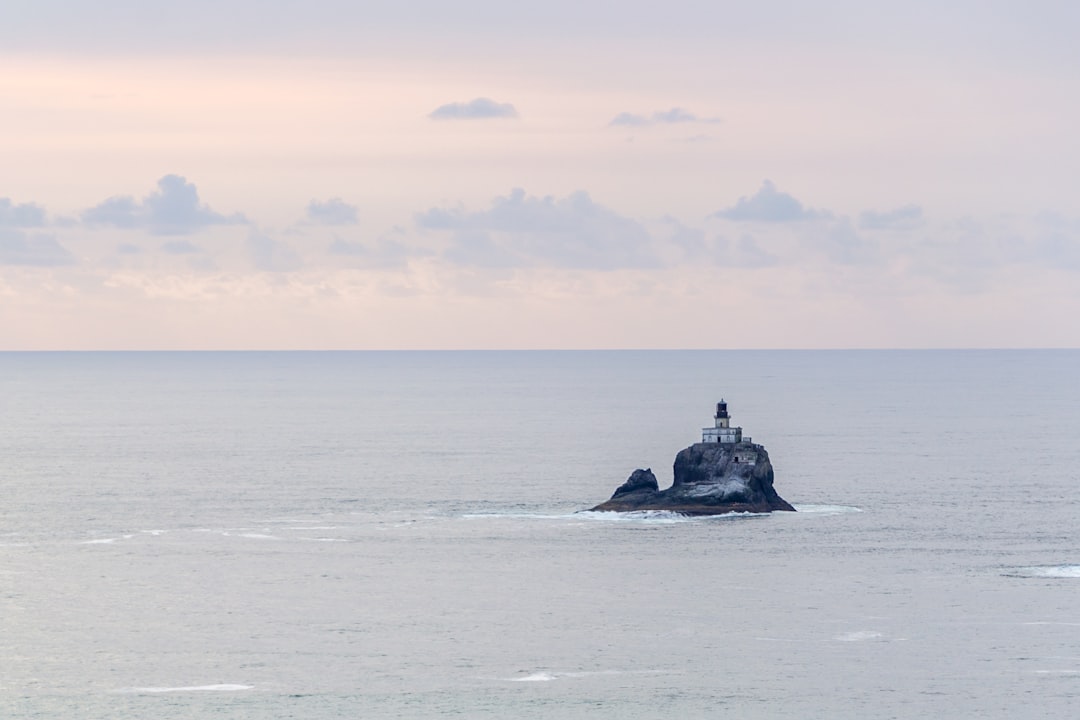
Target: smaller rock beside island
724, 473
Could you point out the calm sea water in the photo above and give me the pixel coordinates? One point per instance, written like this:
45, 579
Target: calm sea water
345, 535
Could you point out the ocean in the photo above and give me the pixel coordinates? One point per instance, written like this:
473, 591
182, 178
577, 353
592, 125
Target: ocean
401, 535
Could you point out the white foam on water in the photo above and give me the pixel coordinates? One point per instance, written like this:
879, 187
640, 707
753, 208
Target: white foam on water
1056, 672
535, 677
662, 517
667, 517
657, 517
591, 673
520, 516
543, 676
826, 509
192, 688
1045, 571
251, 535
859, 636
323, 539
106, 541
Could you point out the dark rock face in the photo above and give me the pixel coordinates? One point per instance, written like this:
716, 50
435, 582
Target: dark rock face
638, 480
710, 479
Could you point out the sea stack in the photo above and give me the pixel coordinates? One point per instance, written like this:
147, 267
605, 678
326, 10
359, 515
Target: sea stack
724, 473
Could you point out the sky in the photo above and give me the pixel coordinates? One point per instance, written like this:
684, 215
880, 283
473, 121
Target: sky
591, 174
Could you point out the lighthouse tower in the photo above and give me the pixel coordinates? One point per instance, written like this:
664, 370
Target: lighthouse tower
722, 433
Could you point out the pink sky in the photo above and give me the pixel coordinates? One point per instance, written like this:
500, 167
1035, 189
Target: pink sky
708, 176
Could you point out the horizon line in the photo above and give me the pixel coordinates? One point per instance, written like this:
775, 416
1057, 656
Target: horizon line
524, 350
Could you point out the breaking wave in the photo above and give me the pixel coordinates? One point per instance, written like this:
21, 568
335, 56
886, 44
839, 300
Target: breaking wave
191, 688
1045, 571
535, 677
859, 636
826, 509
543, 676
106, 541
660, 517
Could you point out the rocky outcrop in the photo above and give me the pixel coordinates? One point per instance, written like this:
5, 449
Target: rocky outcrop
639, 481
710, 479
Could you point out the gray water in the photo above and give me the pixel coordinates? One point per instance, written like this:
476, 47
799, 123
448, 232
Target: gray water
345, 535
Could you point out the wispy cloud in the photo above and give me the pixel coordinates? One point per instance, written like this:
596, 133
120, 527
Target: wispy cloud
768, 205
745, 253
383, 253
334, 211
174, 209
902, 218
180, 247
843, 245
271, 255
477, 109
521, 229
20, 248
24, 215
661, 117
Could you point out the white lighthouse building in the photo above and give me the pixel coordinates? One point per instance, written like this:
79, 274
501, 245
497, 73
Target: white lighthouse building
722, 433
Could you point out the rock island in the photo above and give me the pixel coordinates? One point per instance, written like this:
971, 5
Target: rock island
724, 473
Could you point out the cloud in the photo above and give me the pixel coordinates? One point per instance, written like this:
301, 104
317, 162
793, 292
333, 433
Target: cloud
347, 248
383, 253
334, 211
271, 255
748, 253
476, 248
25, 215
907, 217
521, 230
629, 119
1057, 250
173, 210
787, 232
844, 246
1006, 241
477, 109
768, 205
660, 117
719, 250
180, 247
19, 248
696, 248
691, 241
678, 115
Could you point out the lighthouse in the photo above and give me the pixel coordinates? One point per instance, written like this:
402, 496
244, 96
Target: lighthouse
722, 432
